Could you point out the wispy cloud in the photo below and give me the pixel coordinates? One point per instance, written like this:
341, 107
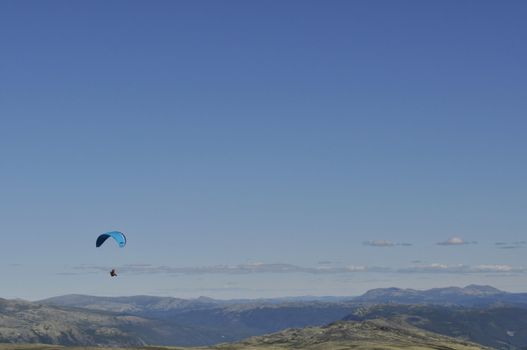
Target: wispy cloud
325, 262
497, 268
511, 245
436, 267
456, 241
384, 243
71, 273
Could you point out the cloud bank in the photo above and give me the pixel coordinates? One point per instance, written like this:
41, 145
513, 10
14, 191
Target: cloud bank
282, 268
463, 269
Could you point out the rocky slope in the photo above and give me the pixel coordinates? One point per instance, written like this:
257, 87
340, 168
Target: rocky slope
500, 327
371, 334
25, 322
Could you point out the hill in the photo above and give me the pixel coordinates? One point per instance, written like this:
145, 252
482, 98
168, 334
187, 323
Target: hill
371, 334
26, 322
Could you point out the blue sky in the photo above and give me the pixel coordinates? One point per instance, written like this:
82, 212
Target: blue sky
256, 149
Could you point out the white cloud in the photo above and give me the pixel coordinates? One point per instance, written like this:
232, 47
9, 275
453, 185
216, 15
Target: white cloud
462, 269
455, 241
437, 267
356, 268
495, 268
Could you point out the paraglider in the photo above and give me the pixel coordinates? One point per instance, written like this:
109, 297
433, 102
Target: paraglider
119, 237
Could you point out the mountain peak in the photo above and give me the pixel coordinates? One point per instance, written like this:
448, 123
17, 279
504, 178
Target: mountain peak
475, 289
469, 295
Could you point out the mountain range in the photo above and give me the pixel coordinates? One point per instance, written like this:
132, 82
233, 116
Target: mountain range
480, 314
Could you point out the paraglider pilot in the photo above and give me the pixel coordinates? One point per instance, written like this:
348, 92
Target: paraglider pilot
119, 237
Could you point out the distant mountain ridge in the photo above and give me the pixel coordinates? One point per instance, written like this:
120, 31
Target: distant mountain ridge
472, 290
471, 295
475, 290
140, 303
130, 304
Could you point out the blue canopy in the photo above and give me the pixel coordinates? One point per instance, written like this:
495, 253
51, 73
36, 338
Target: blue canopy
119, 237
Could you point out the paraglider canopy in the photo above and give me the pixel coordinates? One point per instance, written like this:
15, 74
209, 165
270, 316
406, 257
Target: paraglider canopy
119, 237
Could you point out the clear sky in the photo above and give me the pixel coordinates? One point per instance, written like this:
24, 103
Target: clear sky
262, 148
